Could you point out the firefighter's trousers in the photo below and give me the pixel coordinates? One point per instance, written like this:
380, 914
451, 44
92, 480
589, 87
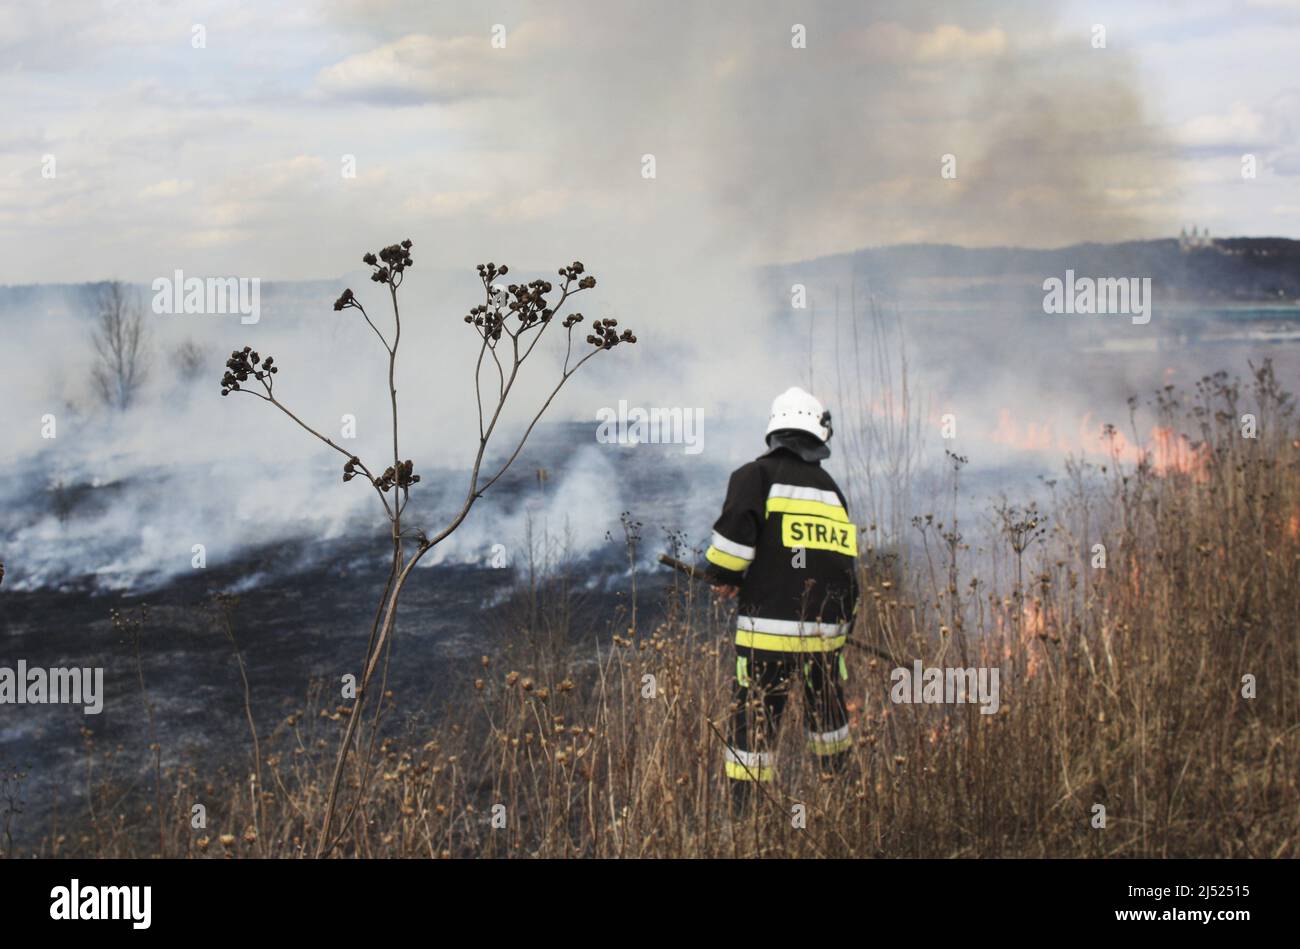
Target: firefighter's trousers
763, 683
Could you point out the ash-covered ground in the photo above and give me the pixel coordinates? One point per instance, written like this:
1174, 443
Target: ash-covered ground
305, 605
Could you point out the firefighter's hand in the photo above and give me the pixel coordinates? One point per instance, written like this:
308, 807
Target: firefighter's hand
725, 591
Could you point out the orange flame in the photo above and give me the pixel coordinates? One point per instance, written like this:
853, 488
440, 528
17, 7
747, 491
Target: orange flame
1033, 626
1175, 453
1170, 453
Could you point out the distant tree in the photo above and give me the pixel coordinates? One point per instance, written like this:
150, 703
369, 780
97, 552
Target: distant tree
121, 346
188, 359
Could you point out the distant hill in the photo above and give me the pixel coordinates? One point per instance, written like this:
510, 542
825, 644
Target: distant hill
1224, 271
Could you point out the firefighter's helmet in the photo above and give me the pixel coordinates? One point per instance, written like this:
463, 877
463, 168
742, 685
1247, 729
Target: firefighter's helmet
796, 409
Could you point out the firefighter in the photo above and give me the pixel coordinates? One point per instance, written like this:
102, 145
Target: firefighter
785, 549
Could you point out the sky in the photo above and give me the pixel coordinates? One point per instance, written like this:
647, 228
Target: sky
142, 137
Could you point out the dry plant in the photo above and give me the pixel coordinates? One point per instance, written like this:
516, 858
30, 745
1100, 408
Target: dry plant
12, 802
509, 324
882, 418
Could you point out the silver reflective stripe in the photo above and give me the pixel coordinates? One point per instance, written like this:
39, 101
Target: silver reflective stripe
750, 759
828, 738
731, 547
789, 627
796, 493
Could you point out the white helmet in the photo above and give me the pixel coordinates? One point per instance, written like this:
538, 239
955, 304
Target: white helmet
795, 408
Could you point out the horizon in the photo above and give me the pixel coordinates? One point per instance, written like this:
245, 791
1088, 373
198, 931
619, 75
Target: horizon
269, 281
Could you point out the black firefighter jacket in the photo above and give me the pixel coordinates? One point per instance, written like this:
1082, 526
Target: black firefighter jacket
785, 538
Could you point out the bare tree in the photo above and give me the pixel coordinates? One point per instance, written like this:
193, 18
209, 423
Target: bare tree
509, 324
188, 359
120, 346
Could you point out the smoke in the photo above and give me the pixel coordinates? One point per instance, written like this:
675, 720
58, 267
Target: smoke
762, 152
184, 478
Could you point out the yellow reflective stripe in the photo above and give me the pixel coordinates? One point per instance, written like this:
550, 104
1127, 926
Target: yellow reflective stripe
776, 643
831, 742
742, 671
830, 747
724, 560
795, 506
729, 546
739, 772
819, 533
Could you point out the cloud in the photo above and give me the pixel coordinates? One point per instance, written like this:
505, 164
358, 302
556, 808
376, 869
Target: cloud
544, 203
893, 42
444, 204
171, 188
1286, 162
415, 69
948, 42
1240, 127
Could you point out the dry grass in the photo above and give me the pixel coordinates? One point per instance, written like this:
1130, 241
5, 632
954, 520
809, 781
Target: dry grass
1120, 686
